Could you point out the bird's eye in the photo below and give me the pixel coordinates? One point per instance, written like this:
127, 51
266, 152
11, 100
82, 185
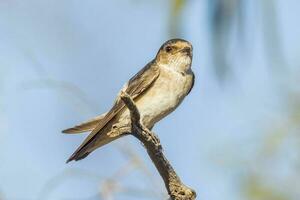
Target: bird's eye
168, 49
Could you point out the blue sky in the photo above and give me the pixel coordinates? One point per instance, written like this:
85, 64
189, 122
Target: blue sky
64, 62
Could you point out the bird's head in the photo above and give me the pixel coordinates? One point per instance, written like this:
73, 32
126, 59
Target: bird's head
176, 54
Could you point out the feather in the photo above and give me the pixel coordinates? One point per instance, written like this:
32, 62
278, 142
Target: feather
136, 86
85, 126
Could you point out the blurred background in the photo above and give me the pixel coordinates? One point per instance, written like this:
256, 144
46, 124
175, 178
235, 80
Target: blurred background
235, 137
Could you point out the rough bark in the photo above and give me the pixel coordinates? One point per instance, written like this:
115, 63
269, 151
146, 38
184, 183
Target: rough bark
176, 189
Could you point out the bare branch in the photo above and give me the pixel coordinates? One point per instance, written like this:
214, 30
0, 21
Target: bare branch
176, 189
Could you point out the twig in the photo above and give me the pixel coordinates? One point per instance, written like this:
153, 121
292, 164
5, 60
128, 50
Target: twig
176, 189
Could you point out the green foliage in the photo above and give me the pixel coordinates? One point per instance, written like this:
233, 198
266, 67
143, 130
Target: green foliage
177, 7
255, 189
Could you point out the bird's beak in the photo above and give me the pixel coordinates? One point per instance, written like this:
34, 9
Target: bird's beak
187, 51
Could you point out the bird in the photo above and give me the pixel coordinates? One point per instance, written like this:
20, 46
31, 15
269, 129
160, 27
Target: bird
157, 90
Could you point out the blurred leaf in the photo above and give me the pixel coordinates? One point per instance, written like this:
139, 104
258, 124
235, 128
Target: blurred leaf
175, 14
222, 14
272, 36
274, 141
256, 190
177, 6
226, 16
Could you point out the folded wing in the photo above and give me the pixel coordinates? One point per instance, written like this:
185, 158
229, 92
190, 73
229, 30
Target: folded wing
135, 87
85, 126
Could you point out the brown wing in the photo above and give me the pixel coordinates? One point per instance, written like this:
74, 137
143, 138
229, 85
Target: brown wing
85, 126
135, 87
193, 83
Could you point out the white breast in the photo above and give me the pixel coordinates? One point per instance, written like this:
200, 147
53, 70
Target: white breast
164, 96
